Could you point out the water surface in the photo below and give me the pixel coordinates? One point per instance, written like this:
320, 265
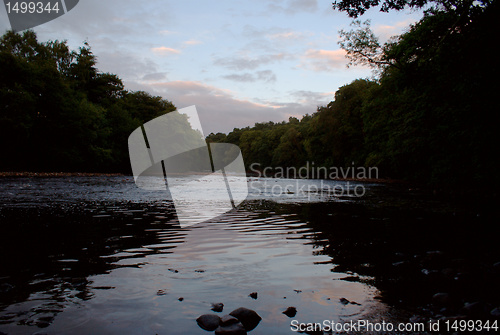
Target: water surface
87, 255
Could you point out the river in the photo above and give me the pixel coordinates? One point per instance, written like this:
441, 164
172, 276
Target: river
82, 255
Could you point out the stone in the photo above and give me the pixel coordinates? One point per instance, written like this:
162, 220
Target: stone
253, 295
290, 312
249, 318
227, 320
208, 322
218, 307
448, 272
5, 287
441, 299
473, 309
495, 312
344, 301
400, 264
233, 329
417, 319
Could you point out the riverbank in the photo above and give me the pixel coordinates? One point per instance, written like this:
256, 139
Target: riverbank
58, 174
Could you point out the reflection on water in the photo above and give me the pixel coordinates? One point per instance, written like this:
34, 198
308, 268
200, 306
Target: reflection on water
80, 255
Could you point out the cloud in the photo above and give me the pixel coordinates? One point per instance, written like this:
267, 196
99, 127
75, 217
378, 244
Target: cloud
272, 33
386, 31
294, 6
323, 60
115, 30
154, 76
220, 110
165, 51
244, 78
111, 18
309, 6
271, 40
286, 35
266, 76
310, 97
167, 32
249, 63
125, 64
192, 42
302, 102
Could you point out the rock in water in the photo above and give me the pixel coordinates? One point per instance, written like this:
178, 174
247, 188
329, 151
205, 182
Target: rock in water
253, 295
441, 299
233, 329
290, 312
227, 320
495, 312
344, 301
417, 319
208, 322
474, 309
218, 307
5, 287
249, 318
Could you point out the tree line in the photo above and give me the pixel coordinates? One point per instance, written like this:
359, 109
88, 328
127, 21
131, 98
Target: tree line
59, 113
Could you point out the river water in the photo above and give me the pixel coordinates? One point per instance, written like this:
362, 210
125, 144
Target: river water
82, 255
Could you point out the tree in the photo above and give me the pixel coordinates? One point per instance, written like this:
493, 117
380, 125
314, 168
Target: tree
429, 120
363, 48
59, 112
355, 8
216, 138
290, 151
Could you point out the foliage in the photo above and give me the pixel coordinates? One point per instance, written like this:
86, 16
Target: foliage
362, 46
429, 116
355, 8
58, 112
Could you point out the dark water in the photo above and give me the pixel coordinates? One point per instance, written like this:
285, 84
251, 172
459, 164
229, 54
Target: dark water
98, 255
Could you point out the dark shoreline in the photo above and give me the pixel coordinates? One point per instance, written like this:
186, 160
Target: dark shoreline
113, 174
58, 174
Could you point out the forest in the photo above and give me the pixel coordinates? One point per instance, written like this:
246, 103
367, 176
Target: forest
58, 112
428, 114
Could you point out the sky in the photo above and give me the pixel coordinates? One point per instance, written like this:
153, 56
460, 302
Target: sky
238, 62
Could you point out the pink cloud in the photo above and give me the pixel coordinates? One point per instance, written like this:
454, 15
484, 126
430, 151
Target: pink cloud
165, 51
323, 60
192, 42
